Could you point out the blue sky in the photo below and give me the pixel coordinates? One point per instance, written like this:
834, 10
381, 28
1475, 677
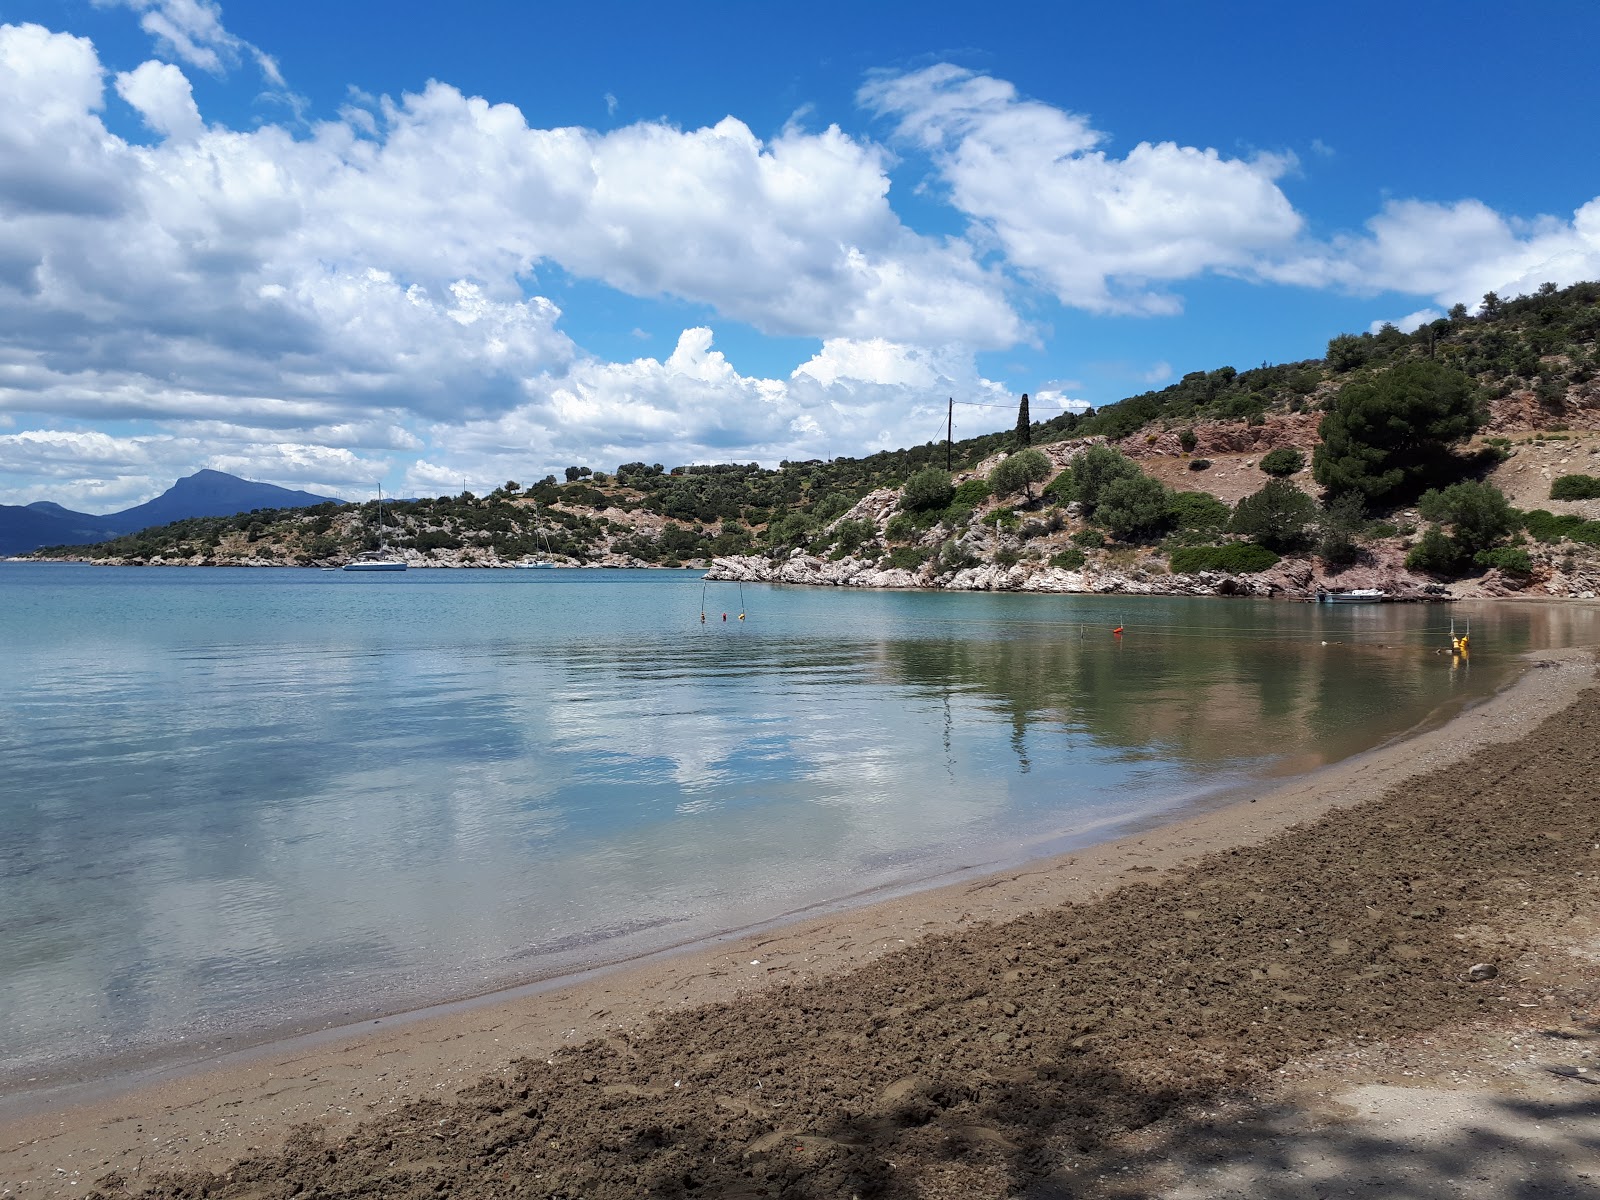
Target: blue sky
327, 245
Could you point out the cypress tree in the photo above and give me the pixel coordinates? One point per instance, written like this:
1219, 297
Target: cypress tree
1024, 426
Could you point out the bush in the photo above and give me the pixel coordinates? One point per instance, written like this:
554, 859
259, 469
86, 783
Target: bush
1089, 539
1095, 470
901, 528
1197, 510
1508, 560
1133, 507
1477, 513
1188, 440
834, 504
1019, 473
1277, 516
1435, 553
928, 489
849, 536
1069, 560
1575, 487
1545, 526
1236, 558
1283, 461
970, 494
1199, 464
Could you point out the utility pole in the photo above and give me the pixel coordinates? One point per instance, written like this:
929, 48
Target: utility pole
949, 431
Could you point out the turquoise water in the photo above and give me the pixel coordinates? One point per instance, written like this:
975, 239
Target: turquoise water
236, 803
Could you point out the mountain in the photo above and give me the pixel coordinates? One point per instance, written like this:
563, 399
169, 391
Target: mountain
204, 494
208, 494
24, 529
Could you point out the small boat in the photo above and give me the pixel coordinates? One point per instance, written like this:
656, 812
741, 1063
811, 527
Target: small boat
1356, 596
539, 564
381, 559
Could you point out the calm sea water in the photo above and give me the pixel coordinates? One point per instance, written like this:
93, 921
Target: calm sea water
234, 803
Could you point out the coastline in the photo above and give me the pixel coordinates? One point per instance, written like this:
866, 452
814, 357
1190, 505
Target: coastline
246, 1103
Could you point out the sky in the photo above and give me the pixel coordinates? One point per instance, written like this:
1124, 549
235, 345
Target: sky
428, 246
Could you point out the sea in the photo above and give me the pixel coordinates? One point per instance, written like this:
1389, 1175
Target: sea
239, 804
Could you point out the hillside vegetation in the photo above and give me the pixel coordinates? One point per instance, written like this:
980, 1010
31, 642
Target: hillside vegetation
1387, 463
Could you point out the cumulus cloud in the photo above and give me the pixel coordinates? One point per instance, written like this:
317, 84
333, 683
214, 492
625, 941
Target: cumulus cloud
695, 406
1103, 233
163, 97
1453, 253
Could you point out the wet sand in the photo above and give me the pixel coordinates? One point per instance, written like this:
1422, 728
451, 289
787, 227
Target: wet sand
993, 1037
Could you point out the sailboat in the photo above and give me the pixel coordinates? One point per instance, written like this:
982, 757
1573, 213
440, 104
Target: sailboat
381, 559
538, 564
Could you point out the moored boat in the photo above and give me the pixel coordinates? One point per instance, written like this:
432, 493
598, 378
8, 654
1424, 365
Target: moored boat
1354, 596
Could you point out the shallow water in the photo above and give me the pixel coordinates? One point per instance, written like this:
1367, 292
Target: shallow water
239, 802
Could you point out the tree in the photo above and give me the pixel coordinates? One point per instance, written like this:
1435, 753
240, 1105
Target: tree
1341, 520
1019, 472
1092, 471
928, 489
1132, 507
1285, 460
573, 474
1478, 514
1390, 435
1024, 426
1276, 517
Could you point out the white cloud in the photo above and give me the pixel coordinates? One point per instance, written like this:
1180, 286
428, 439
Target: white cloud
192, 30
1452, 253
1408, 323
1103, 233
163, 97
695, 406
1056, 396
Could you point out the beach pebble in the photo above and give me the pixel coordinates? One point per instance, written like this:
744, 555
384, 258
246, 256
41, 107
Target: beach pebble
1479, 972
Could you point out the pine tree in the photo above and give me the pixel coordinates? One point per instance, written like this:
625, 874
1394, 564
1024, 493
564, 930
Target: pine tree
1024, 427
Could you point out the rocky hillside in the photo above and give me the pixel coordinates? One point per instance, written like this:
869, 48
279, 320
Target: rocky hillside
1225, 483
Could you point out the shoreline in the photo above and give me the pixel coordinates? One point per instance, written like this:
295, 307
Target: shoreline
210, 1113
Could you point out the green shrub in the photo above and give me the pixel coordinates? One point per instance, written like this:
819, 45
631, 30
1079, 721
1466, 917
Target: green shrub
1069, 560
1019, 472
850, 536
1509, 560
1199, 464
970, 494
928, 489
1545, 526
907, 558
1188, 440
1285, 460
1197, 510
1096, 469
1007, 557
901, 528
1575, 487
1089, 539
1134, 506
1477, 513
1236, 558
1277, 516
1435, 553
834, 504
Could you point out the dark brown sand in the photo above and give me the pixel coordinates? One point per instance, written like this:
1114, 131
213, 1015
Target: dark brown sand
1022, 1057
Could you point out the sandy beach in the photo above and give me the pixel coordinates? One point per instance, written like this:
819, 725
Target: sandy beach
1143, 1017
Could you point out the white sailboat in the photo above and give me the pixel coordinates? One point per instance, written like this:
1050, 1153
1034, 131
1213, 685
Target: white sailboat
538, 564
381, 559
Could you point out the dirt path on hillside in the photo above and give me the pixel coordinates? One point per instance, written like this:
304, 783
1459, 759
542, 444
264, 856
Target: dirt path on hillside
1026, 1058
